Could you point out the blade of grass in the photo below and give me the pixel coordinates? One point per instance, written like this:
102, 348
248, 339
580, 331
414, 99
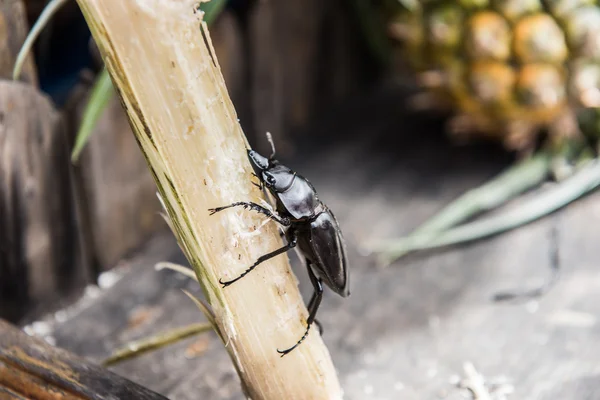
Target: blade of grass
48, 12
163, 339
101, 94
178, 268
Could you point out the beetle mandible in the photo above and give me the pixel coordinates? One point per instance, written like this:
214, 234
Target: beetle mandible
310, 228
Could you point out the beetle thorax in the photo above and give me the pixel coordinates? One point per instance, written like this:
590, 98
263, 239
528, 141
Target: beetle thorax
300, 200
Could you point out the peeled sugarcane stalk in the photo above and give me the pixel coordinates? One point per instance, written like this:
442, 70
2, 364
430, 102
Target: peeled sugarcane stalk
165, 71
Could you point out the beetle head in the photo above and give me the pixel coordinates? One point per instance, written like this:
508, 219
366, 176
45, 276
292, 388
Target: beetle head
259, 163
276, 177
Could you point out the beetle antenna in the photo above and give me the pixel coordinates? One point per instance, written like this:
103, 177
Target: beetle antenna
270, 139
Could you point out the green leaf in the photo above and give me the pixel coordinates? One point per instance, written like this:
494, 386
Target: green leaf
99, 98
585, 180
212, 9
515, 180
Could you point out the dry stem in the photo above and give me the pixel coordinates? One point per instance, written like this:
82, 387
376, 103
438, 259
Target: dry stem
171, 86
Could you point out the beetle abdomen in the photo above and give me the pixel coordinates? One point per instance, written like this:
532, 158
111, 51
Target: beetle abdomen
329, 253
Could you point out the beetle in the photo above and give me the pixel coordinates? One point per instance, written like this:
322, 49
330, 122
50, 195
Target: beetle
309, 227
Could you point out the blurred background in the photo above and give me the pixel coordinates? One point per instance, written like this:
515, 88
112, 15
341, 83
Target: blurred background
446, 136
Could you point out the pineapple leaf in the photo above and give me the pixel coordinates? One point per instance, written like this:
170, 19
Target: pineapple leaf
509, 184
582, 182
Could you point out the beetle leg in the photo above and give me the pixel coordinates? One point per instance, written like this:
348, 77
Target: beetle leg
264, 258
258, 185
254, 207
313, 306
316, 321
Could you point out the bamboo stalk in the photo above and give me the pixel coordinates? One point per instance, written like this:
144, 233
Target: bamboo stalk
167, 76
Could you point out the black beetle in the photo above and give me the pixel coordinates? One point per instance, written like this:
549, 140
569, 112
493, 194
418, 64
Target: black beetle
309, 224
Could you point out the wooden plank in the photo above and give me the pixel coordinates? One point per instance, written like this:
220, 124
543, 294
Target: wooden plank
13, 31
30, 368
405, 332
39, 250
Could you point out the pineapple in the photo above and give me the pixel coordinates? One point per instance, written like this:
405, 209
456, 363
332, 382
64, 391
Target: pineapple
507, 69
522, 72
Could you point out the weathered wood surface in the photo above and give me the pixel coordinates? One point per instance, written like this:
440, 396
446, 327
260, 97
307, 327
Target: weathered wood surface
13, 31
38, 240
118, 193
303, 55
228, 40
31, 368
406, 331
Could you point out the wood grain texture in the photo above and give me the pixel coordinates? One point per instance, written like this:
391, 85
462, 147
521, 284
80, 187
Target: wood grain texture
30, 368
38, 242
406, 331
13, 31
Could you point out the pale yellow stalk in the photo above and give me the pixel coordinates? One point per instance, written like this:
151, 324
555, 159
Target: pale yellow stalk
170, 84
